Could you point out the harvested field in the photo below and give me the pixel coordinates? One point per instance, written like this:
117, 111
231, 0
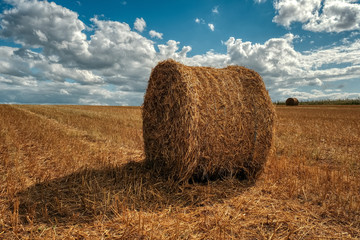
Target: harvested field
76, 172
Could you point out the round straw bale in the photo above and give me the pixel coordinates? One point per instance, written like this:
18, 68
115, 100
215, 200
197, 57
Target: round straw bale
205, 123
292, 102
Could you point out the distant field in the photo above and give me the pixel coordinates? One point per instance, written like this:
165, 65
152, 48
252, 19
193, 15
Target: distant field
328, 102
75, 172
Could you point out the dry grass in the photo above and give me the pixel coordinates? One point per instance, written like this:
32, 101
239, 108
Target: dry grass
76, 172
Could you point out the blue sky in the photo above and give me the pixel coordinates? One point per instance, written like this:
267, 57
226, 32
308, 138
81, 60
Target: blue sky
102, 52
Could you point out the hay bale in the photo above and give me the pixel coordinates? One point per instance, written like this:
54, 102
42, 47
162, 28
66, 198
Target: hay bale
204, 123
292, 102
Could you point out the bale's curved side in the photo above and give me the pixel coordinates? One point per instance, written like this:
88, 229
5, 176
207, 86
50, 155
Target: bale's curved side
204, 122
292, 102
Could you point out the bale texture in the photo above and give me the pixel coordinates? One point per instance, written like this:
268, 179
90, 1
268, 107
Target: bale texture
205, 123
292, 102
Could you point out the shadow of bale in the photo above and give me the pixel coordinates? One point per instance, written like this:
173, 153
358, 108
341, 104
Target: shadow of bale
83, 196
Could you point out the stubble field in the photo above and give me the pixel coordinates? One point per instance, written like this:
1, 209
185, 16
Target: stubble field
75, 172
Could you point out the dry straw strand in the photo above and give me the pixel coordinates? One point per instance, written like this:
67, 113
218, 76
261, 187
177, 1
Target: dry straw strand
292, 102
204, 123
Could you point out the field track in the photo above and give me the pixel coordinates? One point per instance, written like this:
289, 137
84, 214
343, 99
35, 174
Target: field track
75, 172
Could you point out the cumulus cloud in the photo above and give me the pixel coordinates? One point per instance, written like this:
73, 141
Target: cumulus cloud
36, 14
115, 46
281, 66
275, 58
74, 68
69, 93
31, 24
139, 24
280, 63
66, 51
112, 54
316, 94
154, 34
170, 50
210, 58
336, 16
318, 15
211, 26
295, 11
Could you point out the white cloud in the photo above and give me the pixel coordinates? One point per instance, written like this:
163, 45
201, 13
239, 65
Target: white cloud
139, 24
64, 92
281, 66
115, 46
211, 26
311, 82
154, 34
318, 15
295, 11
170, 50
354, 34
114, 54
315, 94
66, 52
200, 20
276, 57
259, 1
78, 94
215, 10
336, 16
317, 82
208, 59
31, 23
